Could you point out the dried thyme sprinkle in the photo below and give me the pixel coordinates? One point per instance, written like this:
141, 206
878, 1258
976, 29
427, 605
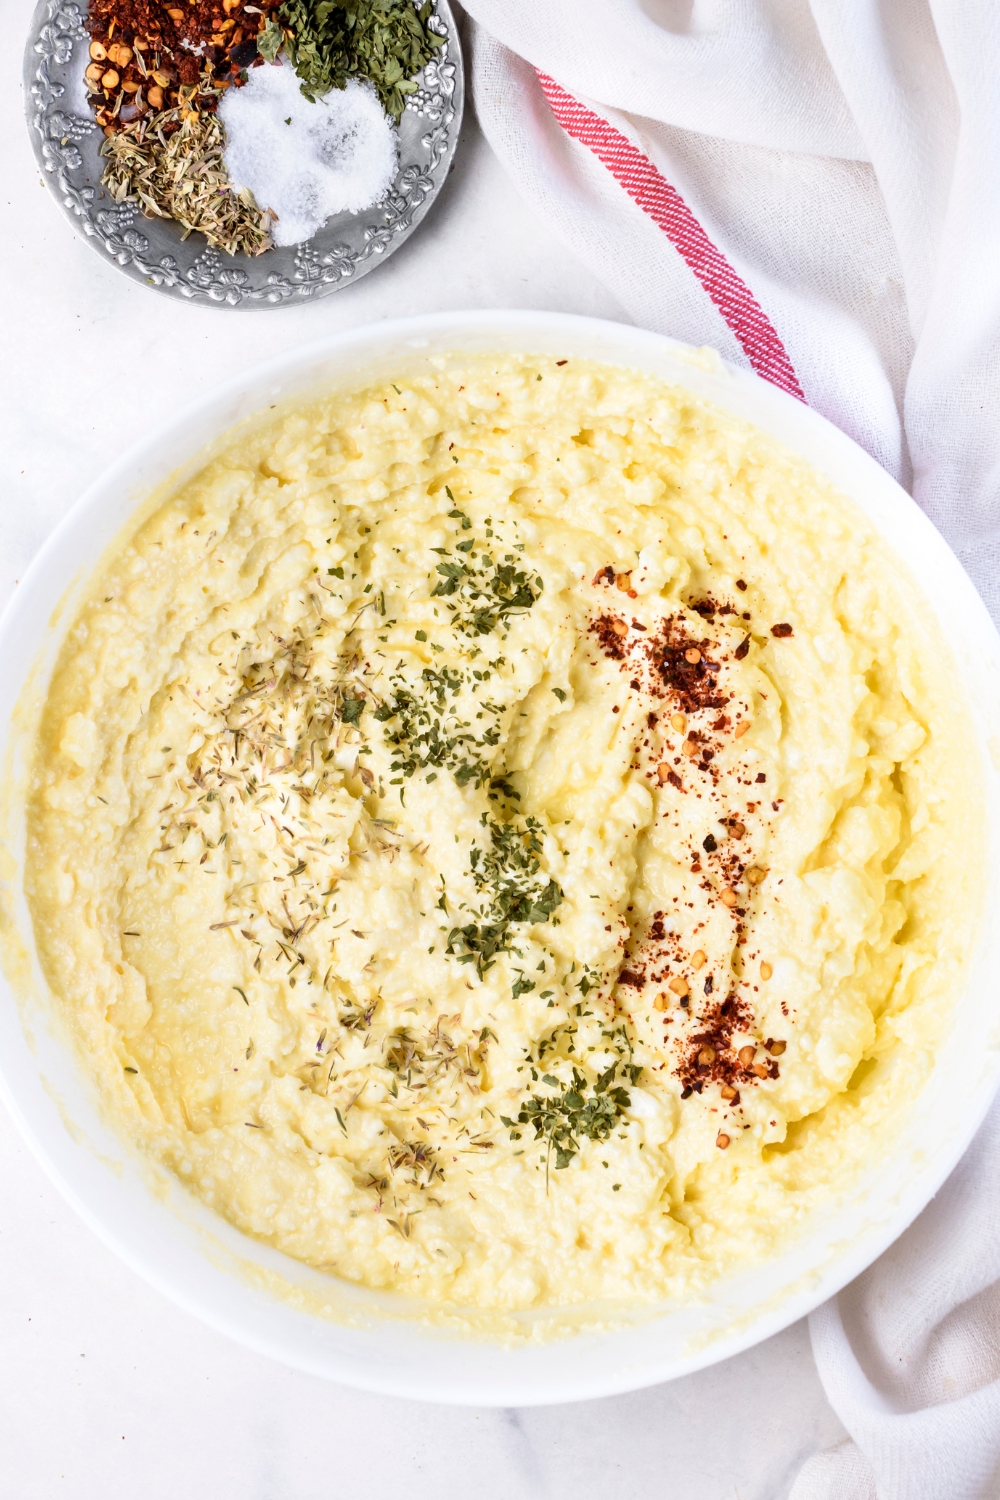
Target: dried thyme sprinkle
180, 174
385, 41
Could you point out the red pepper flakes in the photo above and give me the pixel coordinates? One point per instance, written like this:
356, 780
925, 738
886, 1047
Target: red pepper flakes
709, 1056
149, 56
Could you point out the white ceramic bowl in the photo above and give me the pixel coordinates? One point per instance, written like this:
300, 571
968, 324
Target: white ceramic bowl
259, 1296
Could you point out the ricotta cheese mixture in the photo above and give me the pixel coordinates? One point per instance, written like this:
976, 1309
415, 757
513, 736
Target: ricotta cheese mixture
506, 836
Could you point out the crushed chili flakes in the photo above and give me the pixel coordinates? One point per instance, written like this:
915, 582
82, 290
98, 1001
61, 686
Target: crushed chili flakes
679, 659
708, 608
148, 56
692, 682
610, 636
680, 666
709, 1056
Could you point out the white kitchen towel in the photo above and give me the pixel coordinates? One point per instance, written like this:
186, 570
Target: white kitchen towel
814, 189
909, 1354
843, 158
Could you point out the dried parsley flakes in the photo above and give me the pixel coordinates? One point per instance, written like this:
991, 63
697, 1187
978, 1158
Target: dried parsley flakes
575, 1110
424, 730
487, 593
385, 41
509, 874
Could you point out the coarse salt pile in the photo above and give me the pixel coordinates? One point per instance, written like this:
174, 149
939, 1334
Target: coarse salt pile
307, 161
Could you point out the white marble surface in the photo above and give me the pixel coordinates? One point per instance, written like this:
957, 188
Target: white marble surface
107, 1390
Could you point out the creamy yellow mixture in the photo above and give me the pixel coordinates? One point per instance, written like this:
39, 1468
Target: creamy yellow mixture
506, 836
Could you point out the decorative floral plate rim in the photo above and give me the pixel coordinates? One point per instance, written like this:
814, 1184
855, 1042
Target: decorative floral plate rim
66, 140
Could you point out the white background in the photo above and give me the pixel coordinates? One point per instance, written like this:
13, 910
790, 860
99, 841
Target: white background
107, 1390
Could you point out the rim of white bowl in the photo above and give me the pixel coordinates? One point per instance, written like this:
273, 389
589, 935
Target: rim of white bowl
470, 1371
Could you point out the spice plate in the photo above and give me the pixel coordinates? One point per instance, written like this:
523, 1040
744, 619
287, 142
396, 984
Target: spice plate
67, 139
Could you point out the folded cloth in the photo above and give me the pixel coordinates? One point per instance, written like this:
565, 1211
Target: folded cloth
844, 161
909, 1353
814, 189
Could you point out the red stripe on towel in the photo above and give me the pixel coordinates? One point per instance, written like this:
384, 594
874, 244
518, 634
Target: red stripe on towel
653, 193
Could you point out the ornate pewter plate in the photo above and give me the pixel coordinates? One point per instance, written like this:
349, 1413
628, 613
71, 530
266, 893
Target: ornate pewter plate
67, 138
